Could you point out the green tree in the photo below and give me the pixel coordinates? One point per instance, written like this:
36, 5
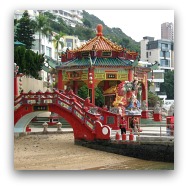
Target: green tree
29, 62
83, 92
152, 99
19, 58
42, 27
124, 42
87, 23
168, 84
24, 30
99, 98
57, 42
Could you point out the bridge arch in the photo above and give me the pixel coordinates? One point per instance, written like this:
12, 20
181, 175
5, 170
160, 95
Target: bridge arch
77, 112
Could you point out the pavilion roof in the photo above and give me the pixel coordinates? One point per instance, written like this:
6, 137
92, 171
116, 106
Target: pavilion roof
99, 43
95, 62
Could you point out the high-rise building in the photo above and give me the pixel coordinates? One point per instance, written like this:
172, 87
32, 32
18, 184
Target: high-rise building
167, 31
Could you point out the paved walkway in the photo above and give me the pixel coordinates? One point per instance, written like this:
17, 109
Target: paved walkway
147, 134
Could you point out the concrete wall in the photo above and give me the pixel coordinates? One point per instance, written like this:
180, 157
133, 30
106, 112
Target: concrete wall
32, 84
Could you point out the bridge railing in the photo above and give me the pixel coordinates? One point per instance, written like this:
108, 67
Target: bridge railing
106, 117
82, 109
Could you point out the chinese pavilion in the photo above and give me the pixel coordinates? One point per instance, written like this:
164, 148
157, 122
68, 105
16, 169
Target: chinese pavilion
101, 63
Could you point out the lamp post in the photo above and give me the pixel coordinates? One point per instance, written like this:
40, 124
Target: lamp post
91, 81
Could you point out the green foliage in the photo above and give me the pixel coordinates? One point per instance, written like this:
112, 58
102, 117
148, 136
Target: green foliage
83, 92
24, 31
29, 62
57, 42
84, 33
152, 99
168, 84
58, 24
99, 98
87, 23
19, 58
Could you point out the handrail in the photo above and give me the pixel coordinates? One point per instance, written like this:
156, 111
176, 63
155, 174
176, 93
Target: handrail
159, 129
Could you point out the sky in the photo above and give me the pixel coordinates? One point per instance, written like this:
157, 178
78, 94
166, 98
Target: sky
136, 23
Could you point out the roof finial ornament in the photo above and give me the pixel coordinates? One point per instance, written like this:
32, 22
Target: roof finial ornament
99, 30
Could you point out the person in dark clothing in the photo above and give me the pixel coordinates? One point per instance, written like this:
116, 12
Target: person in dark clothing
134, 125
123, 124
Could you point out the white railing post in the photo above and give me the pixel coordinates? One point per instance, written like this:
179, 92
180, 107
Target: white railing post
45, 125
59, 125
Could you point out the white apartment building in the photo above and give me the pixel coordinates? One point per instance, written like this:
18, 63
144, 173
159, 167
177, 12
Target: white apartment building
71, 17
161, 51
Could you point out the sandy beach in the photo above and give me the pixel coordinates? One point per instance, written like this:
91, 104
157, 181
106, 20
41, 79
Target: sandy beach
58, 152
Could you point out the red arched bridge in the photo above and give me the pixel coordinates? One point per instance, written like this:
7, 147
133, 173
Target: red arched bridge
88, 121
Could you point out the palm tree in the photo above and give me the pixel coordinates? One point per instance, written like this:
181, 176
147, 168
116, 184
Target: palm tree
42, 27
57, 41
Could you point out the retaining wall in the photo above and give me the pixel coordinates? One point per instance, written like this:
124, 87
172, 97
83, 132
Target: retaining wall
154, 151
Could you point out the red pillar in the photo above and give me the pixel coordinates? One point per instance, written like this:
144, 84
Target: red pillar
145, 96
145, 89
15, 86
93, 95
60, 80
130, 75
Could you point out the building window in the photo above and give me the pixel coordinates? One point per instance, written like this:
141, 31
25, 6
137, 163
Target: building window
164, 63
48, 51
147, 54
69, 43
164, 54
164, 47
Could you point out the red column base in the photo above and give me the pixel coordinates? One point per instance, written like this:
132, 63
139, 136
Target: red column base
144, 114
157, 117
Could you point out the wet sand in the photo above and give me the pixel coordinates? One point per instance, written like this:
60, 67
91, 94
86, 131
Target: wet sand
58, 152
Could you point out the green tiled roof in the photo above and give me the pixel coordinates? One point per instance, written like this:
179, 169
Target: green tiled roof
96, 62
